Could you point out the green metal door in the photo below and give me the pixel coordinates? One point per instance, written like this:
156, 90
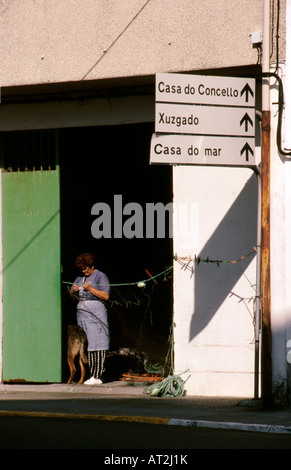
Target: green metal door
31, 276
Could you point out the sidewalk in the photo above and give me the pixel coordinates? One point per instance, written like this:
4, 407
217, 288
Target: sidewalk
125, 401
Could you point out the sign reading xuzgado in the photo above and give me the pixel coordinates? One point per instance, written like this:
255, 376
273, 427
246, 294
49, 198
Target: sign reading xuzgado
205, 120
192, 119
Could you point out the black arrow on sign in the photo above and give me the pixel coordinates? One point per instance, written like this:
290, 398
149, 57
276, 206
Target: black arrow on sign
247, 89
247, 148
246, 119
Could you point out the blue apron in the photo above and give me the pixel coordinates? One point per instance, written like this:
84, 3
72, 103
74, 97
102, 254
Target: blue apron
92, 313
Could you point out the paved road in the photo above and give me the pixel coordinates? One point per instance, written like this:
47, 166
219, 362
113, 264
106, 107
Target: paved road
18, 432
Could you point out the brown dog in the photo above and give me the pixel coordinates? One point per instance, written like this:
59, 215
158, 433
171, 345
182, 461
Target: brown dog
76, 346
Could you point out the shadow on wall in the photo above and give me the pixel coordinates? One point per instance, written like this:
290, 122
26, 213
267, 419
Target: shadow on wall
235, 236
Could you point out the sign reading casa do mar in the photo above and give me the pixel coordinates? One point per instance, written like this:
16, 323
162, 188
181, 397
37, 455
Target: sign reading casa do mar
204, 120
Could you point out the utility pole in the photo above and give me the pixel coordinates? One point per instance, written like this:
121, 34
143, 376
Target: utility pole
265, 215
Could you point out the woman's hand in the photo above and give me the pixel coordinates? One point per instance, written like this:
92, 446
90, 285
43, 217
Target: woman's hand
101, 294
74, 289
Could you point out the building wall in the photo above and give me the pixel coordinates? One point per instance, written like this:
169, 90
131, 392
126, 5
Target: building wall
287, 194
51, 42
281, 224
213, 305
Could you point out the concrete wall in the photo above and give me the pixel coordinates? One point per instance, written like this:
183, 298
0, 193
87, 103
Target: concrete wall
50, 42
213, 305
287, 176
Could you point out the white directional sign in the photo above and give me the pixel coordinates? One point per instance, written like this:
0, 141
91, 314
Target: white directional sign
206, 120
205, 89
191, 119
202, 150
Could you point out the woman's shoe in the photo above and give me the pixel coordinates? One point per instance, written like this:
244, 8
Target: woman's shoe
93, 381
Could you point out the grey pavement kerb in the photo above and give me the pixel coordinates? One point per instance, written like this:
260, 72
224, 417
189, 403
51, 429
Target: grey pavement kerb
127, 402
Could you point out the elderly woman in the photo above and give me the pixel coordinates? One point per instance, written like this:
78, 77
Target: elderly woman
93, 288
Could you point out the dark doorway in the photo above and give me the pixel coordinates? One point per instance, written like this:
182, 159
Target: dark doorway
96, 164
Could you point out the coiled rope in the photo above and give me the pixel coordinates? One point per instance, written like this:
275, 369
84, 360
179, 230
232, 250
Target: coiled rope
171, 386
